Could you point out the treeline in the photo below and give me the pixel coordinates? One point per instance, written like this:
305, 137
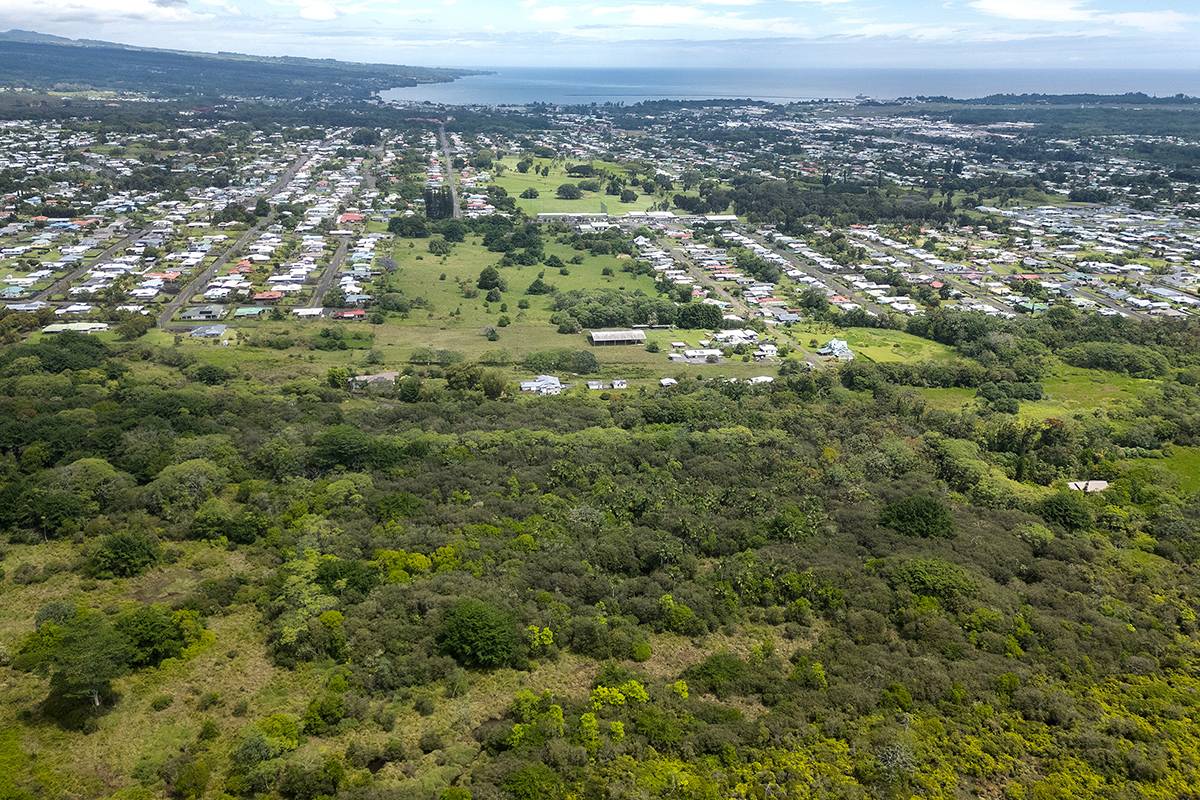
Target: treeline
794, 206
612, 308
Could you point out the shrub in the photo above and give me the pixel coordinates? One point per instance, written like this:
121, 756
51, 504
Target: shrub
534, 782
921, 516
123, 555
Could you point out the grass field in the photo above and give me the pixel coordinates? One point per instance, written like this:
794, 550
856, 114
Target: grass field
872, 344
455, 322
1072, 390
1181, 462
592, 202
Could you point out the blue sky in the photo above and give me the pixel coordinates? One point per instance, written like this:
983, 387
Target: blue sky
678, 33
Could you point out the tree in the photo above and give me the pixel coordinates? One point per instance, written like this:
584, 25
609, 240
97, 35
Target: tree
365, 137
452, 230
629, 196
413, 227
409, 389
440, 247
337, 377
539, 286
921, 516
82, 656
699, 316
134, 327
569, 191
1067, 509
530, 194
489, 278
154, 634
477, 634
463, 377
493, 384
262, 208
439, 203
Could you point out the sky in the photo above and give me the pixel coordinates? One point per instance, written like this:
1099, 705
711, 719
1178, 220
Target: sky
1086, 34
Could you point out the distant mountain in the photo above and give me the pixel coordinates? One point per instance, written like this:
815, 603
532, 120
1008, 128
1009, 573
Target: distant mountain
43, 61
17, 35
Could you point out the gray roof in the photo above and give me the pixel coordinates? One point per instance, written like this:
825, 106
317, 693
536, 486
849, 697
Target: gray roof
618, 336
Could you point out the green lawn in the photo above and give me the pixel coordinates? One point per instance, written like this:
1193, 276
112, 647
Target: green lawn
592, 202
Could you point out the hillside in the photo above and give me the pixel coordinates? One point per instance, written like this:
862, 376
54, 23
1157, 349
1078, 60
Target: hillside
39, 61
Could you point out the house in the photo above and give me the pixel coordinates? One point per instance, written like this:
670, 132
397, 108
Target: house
544, 385
837, 349
76, 327
1088, 487
382, 379
599, 338
35, 305
350, 313
202, 314
668, 382
620, 383
308, 313
209, 332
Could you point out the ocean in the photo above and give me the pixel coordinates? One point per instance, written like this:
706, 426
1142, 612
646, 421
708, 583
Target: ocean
519, 86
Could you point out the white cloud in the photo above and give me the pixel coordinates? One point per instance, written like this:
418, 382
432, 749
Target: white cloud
101, 11
1036, 10
1163, 21
1152, 21
549, 13
691, 20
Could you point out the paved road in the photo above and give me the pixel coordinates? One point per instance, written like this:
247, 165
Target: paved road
331, 271
172, 308
830, 279
67, 281
451, 172
702, 278
200, 281
966, 287
282, 181
339, 256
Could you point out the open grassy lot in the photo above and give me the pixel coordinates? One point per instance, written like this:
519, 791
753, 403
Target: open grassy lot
455, 322
1071, 390
872, 344
1181, 462
592, 202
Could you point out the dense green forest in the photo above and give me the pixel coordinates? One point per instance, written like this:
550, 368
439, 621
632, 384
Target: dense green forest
248, 582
